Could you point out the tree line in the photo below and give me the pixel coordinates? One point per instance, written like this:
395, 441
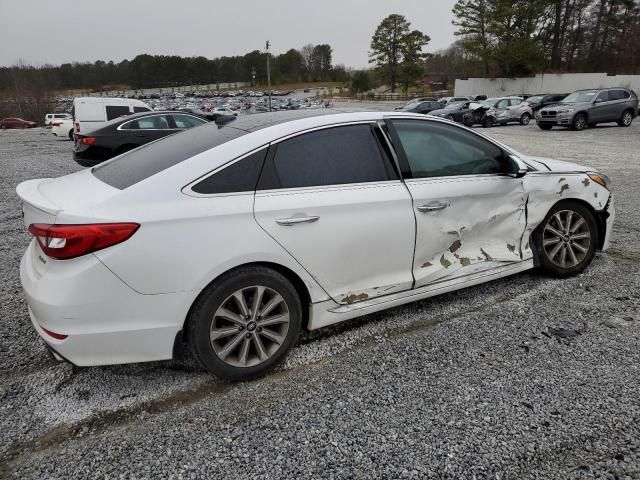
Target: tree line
309, 64
522, 37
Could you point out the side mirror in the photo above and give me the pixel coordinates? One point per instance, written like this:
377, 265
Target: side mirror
517, 168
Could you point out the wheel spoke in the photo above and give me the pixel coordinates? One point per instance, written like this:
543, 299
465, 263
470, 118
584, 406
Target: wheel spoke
244, 352
577, 224
568, 222
242, 304
572, 254
559, 222
580, 247
219, 333
262, 353
229, 315
231, 346
555, 251
550, 241
273, 303
284, 318
274, 337
563, 255
553, 230
580, 236
257, 300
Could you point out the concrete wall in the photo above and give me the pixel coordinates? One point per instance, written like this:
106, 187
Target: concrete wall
544, 83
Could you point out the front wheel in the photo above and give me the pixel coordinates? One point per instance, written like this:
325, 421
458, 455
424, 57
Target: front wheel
566, 240
487, 122
579, 122
450, 117
525, 119
244, 323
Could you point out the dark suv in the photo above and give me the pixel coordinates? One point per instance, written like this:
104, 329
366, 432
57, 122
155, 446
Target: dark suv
590, 107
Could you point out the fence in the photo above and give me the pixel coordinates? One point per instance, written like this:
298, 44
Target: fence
544, 83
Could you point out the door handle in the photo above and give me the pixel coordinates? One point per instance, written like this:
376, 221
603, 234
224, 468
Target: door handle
432, 207
288, 222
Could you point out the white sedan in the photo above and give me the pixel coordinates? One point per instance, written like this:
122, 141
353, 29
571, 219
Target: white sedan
232, 239
62, 127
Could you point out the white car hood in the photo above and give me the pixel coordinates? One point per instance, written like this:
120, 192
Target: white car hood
555, 165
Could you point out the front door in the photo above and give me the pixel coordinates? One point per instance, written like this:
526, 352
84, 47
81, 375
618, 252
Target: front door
470, 215
334, 201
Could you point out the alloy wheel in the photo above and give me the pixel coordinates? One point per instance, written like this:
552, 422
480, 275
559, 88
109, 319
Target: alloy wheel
627, 118
580, 122
525, 119
249, 326
566, 238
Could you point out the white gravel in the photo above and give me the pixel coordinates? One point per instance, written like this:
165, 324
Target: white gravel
473, 384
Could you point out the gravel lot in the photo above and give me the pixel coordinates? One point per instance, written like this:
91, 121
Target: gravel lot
473, 384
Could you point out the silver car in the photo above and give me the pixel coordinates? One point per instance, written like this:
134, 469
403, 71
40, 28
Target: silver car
508, 109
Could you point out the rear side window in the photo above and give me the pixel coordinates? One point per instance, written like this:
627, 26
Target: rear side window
141, 163
116, 111
187, 121
333, 156
618, 95
241, 176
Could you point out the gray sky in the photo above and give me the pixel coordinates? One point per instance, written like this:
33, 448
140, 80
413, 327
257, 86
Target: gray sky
60, 31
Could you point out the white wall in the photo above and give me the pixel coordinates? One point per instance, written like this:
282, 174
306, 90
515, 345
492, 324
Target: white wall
544, 83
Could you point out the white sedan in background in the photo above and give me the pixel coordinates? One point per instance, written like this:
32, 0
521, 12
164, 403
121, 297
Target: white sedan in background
62, 127
232, 239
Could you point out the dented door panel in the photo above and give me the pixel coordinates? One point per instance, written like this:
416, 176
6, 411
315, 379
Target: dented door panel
480, 227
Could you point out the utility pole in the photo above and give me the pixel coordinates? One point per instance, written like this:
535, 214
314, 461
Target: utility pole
269, 73
253, 76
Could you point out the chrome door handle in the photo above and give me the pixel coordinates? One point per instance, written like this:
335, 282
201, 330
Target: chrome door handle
432, 207
287, 222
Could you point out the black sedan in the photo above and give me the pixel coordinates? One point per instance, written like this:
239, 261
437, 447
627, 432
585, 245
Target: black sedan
454, 111
422, 107
126, 133
540, 101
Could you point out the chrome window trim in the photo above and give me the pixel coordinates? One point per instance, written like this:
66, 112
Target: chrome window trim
317, 188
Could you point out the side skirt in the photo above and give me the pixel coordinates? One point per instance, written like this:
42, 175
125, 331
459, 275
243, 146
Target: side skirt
328, 312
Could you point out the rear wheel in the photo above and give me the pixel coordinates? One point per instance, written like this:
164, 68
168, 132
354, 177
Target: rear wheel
525, 119
3, 127
579, 122
626, 119
245, 323
566, 240
487, 122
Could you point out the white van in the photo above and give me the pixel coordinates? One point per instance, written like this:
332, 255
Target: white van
91, 113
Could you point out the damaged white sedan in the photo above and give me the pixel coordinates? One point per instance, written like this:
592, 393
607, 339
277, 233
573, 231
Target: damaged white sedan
231, 239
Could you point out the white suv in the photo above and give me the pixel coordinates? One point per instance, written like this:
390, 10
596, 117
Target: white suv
49, 118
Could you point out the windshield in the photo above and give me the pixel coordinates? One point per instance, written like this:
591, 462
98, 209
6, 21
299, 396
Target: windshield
578, 97
454, 105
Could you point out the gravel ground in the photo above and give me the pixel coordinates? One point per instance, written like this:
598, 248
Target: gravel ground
473, 384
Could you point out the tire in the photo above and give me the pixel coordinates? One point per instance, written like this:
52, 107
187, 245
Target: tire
450, 117
525, 119
71, 134
545, 127
252, 350
563, 254
487, 122
579, 122
3, 127
627, 119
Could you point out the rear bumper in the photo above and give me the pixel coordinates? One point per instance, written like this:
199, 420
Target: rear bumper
104, 320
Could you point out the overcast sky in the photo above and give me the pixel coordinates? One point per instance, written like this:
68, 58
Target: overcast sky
60, 31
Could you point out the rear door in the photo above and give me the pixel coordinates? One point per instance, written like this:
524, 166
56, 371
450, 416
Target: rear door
619, 102
332, 198
470, 215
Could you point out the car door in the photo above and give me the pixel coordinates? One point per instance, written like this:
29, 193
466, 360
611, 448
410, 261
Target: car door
332, 198
516, 109
147, 129
601, 108
501, 107
618, 99
470, 215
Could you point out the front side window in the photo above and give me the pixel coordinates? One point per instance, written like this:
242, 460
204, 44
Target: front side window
503, 103
333, 156
603, 97
187, 121
116, 111
440, 150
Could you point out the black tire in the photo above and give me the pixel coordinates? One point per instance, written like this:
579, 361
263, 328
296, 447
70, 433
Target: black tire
525, 118
450, 117
487, 122
548, 264
627, 118
545, 127
579, 122
3, 127
202, 315
71, 134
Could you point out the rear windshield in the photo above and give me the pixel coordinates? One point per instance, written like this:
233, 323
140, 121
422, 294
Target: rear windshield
139, 164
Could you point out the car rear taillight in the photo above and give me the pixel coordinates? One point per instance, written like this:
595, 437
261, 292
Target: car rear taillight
86, 140
57, 336
63, 242
77, 127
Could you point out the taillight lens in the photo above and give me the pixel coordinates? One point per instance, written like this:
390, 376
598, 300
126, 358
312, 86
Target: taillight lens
63, 242
77, 127
86, 140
